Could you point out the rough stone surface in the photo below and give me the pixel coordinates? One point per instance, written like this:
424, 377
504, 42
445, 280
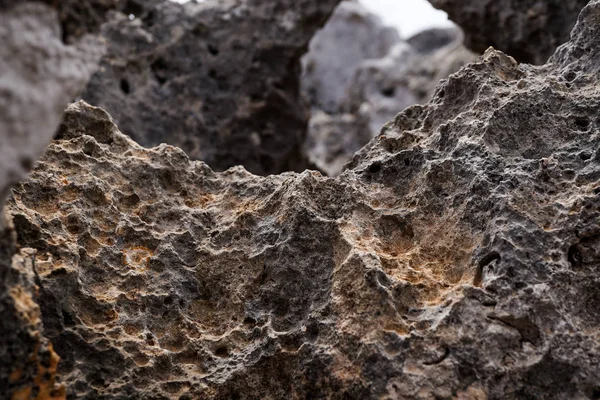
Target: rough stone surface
39, 76
529, 30
380, 89
219, 78
28, 363
456, 257
333, 139
351, 36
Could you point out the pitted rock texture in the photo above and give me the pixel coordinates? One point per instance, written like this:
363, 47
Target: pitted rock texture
529, 30
28, 362
351, 36
39, 76
455, 258
380, 89
220, 78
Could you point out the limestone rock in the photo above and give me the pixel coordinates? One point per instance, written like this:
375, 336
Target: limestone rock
219, 78
39, 76
455, 258
352, 35
381, 88
333, 139
529, 30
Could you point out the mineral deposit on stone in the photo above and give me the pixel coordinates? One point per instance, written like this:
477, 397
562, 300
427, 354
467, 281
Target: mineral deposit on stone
219, 78
529, 30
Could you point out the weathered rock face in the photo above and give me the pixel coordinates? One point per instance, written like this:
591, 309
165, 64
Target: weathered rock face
351, 36
77, 18
529, 30
39, 76
380, 89
220, 79
457, 256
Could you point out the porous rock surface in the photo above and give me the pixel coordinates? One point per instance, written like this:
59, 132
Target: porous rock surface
39, 76
219, 78
455, 258
382, 87
529, 30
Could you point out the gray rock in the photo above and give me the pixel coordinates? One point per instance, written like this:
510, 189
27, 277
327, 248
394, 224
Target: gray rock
382, 88
39, 76
220, 79
352, 35
333, 139
529, 30
455, 258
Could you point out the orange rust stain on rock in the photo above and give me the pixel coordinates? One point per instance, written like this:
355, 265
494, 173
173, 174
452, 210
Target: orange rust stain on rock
45, 379
25, 304
137, 257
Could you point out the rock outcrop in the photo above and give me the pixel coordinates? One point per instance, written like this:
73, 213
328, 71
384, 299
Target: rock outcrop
455, 258
219, 78
351, 36
529, 30
380, 88
39, 76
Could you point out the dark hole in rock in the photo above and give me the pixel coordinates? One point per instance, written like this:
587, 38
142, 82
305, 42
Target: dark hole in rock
222, 351
159, 68
574, 256
582, 123
132, 7
570, 76
374, 168
388, 92
212, 49
125, 88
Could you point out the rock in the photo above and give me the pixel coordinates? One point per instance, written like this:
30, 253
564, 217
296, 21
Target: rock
39, 76
219, 78
333, 139
352, 35
455, 258
28, 362
433, 39
529, 30
382, 88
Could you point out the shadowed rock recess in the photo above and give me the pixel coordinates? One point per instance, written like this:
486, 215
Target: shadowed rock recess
456, 258
529, 30
219, 78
